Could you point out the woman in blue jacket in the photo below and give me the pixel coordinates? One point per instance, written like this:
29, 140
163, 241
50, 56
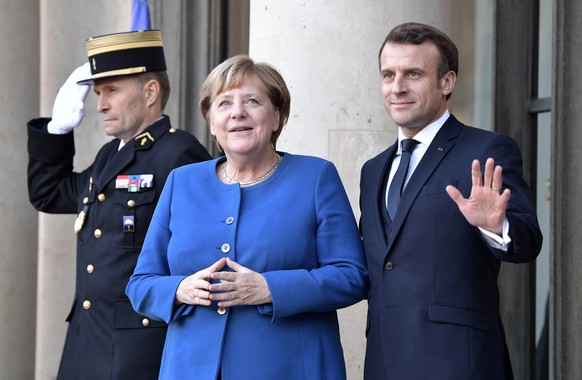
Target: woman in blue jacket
249, 256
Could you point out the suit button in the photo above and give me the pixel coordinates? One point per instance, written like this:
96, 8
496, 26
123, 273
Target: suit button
221, 310
90, 268
389, 265
86, 305
101, 197
230, 220
145, 322
131, 203
97, 233
225, 248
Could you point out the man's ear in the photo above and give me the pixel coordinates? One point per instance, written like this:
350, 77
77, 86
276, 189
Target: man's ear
448, 82
152, 92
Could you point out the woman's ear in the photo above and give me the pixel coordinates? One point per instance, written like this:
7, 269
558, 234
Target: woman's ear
277, 119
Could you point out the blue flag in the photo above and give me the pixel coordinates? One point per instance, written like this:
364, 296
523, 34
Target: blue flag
140, 18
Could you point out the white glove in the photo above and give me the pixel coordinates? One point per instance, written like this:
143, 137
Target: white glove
69, 106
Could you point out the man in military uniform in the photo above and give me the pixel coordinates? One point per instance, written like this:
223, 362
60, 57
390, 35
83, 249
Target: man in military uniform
114, 198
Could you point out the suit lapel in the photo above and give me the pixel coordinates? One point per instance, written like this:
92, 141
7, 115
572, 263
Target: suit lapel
377, 178
441, 145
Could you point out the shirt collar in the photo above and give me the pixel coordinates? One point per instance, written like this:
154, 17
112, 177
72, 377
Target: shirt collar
427, 134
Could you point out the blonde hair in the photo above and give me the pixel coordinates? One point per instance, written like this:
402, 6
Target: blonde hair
233, 72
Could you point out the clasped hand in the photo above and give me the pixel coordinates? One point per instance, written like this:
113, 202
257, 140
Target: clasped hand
485, 207
241, 286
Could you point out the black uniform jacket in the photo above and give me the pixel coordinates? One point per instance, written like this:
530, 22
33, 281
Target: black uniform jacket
114, 198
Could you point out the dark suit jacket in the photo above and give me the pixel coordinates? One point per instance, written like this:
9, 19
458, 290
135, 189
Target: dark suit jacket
434, 301
106, 338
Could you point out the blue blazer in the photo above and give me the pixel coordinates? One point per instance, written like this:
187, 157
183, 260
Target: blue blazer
434, 302
296, 228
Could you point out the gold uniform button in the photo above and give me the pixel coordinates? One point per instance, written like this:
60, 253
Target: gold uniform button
131, 203
101, 197
86, 305
85, 200
172, 130
90, 268
145, 322
97, 233
221, 310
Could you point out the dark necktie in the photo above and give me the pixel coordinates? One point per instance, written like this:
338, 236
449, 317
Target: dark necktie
395, 190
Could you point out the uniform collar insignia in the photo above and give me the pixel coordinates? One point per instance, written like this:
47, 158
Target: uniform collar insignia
144, 138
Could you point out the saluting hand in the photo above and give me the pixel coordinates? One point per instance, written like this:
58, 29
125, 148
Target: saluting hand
485, 207
241, 287
193, 290
69, 105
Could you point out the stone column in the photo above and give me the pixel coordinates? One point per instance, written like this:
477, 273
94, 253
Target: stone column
566, 215
65, 24
18, 101
327, 53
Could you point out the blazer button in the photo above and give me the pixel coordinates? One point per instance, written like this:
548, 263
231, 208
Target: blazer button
97, 233
90, 268
86, 305
389, 265
225, 248
221, 310
230, 220
145, 322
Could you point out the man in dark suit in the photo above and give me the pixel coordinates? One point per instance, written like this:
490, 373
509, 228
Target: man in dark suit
434, 249
114, 198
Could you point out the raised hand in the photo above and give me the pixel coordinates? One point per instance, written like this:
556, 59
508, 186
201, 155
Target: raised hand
486, 205
69, 105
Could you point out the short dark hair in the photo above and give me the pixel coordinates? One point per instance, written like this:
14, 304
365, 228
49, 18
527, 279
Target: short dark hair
162, 78
416, 33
